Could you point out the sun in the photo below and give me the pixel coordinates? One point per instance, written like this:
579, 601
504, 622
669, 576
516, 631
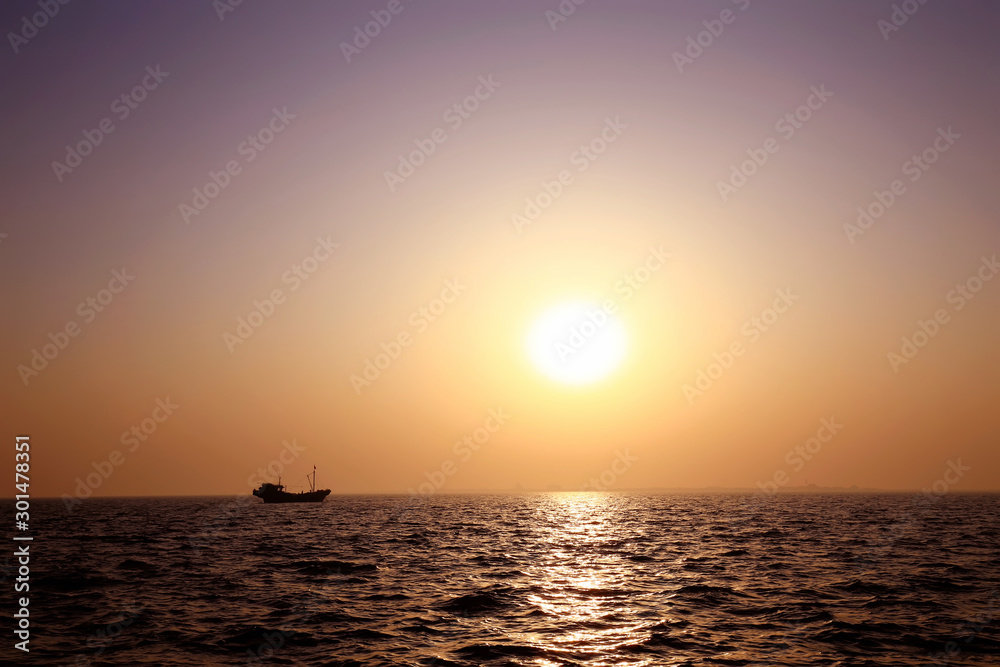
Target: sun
577, 343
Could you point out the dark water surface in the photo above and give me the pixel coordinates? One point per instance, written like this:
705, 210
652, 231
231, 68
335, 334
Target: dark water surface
534, 579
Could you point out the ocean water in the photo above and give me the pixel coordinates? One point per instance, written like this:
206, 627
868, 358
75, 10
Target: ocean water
531, 579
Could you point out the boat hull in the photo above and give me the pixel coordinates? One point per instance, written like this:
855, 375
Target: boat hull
271, 496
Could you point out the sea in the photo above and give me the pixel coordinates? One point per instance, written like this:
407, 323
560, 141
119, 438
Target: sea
544, 579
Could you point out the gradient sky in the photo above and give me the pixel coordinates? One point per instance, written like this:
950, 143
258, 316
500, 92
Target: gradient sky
680, 131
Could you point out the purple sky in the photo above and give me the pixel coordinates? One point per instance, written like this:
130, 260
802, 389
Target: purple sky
552, 86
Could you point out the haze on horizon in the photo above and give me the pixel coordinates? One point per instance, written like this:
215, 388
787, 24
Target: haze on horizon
291, 241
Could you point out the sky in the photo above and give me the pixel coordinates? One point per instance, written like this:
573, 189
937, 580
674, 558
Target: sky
242, 240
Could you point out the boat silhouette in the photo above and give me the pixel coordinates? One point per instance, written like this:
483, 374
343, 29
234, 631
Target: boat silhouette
275, 493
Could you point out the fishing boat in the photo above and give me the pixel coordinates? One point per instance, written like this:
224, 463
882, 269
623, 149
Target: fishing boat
275, 493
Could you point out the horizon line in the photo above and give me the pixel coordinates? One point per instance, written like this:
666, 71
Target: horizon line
800, 490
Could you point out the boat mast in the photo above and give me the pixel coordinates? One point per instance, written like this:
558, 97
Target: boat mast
314, 479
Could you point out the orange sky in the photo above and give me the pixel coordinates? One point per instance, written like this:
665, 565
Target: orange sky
318, 224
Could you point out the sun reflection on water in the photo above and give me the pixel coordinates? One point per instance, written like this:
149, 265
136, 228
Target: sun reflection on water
582, 578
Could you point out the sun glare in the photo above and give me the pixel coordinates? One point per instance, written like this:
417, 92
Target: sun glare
577, 343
